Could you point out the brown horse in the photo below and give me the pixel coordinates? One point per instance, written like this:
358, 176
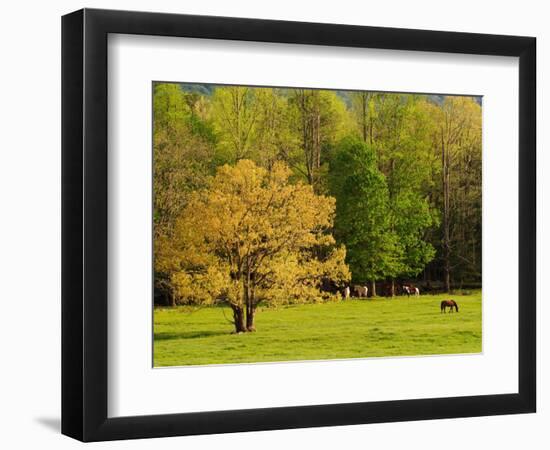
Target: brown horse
448, 304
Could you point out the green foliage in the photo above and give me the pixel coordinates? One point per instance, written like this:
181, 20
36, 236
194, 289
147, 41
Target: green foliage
169, 105
183, 155
234, 113
318, 119
399, 129
412, 216
457, 140
362, 221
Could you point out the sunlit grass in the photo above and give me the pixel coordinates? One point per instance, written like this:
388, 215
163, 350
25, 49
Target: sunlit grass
348, 329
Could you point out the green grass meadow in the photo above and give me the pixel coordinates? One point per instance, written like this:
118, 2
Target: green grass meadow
348, 329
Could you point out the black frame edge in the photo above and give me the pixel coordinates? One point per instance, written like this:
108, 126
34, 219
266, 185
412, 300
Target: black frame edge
139, 427
84, 224
72, 90
527, 210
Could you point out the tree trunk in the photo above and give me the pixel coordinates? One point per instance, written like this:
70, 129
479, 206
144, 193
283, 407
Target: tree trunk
447, 277
172, 299
238, 319
446, 219
249, 299
318, 140
373, 288
393, 287
371, 131
364, 101
306, 138
250, 316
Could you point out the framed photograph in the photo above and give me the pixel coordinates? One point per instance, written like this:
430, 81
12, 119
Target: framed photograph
273, 224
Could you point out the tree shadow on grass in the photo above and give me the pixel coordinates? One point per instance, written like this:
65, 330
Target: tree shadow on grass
168, 336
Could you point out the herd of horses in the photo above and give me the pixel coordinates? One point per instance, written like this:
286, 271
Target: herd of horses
360, 291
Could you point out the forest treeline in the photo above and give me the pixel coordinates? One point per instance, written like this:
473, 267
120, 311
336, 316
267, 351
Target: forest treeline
355, 186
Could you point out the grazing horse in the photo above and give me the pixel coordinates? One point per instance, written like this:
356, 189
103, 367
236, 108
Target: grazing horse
411, 290
448, 304
347, 292
360, 291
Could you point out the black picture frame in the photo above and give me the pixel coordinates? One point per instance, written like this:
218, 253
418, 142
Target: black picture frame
84, 224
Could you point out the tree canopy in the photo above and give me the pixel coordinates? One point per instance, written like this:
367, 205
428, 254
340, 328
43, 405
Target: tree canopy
253, 237
278, 195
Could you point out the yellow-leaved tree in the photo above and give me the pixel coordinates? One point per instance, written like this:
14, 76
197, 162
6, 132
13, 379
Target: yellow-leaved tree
253, 237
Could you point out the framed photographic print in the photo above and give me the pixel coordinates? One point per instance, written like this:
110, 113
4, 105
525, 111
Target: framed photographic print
273, 224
